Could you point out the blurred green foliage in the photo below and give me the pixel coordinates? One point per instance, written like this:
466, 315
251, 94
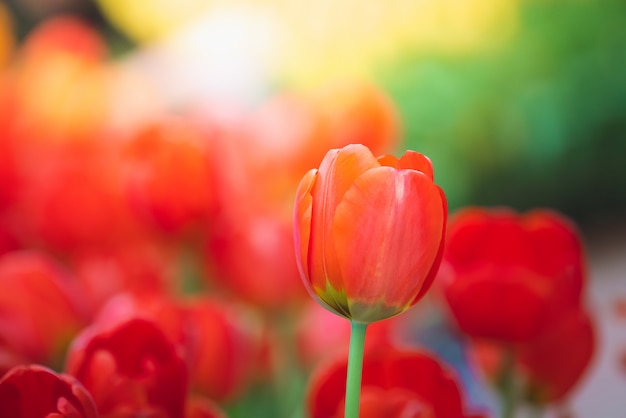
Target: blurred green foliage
537, 121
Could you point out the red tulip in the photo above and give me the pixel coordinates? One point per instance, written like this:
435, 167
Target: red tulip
224, 348
369, 232
56, 211
62, 81
137, 266
36, 392
169, 175
395, 384
548, 368
506, 277
250, 253
131, 369
41, 309
556, 362
216, 339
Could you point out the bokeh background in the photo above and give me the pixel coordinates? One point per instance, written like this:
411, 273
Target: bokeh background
519, 103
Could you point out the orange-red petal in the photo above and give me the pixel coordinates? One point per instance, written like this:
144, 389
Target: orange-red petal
387, 232
336, 175
302, 223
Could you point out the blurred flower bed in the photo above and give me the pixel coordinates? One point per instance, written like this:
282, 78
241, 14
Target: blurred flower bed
147, 262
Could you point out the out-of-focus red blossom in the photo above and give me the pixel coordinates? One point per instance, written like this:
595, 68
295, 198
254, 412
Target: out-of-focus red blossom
135, 266
223, 358
550, 367
73, 199
321, 334
131, 369
169, 179
35, 391
218, 340
251, 255
396, 383
369, 232
557, 361
41, 307
511, 277
61, 82
8, 240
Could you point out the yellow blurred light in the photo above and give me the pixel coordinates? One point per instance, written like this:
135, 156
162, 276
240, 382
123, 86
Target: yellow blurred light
324, 40
328, 39
150, 20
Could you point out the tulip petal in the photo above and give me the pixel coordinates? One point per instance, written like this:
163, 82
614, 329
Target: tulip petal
387, 232
336, 175
416, 161
302, 221
558, 250
388, 160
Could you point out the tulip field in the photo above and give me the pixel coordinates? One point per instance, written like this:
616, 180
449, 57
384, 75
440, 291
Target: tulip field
305, 209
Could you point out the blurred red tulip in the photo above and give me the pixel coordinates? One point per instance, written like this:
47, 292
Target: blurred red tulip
170, 176
35, 392
61, 82
131, 369
73, 200
369, 232
41, 307
218, 340
136, 265
554, 364
548, 368
251, 255
223, 348
395, 384
509, 277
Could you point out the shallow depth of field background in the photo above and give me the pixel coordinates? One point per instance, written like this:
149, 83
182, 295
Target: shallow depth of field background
517, 102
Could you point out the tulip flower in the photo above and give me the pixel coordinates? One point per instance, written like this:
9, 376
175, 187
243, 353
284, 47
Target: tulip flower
169, 176
516, 281
547, 370
246, 256
369, 236
36, 391
507, 276
41, 309
131, 369
554, 364
396, 383
217, 339
369, 232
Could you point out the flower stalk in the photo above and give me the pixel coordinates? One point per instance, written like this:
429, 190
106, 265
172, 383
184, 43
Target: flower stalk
355, 369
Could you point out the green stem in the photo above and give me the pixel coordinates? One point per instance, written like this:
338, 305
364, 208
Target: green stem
355, 369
